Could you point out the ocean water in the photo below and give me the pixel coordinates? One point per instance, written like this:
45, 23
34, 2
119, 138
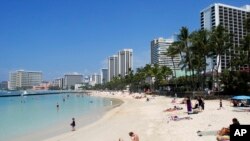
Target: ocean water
23, 116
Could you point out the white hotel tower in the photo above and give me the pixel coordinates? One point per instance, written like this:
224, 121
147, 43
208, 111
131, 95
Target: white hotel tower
112, 67
125, 61
159, 48
120, 64
233, 20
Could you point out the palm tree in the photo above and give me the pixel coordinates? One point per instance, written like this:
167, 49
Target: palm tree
156, 75
148, 70
172, 52
220, 42
184, 45
201, 50
246, 48
165, 71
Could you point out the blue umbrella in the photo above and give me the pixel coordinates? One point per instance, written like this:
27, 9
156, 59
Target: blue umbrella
241, 97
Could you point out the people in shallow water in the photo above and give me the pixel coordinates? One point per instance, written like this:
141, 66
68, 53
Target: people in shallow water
73, 124
57, 106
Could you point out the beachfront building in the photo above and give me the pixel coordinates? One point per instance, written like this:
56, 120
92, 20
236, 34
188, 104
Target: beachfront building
104, 76
125, 61
112, 67
4, 85
233, 20
59, 83
43, 86
79, 86
95, 79
120, 64
71, 79
21, 79
159, 48
86, 79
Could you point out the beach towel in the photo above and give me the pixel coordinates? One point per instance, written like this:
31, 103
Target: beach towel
207, 133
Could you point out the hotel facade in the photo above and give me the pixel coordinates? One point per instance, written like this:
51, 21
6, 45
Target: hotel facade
159, 48
104, 75
24, 79
71, 79
233, 20
120, 64
112, 67
125, 58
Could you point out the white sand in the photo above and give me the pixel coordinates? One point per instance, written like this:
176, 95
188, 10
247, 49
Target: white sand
148, 120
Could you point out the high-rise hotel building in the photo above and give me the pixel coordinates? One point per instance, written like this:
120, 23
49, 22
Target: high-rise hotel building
233, 20
24, 79
95, 79
125, 61
120, 64
104, 75
71, 79
158, 53
112, 67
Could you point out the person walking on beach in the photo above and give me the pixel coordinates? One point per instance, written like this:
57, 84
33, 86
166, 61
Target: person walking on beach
133, 136
73, 124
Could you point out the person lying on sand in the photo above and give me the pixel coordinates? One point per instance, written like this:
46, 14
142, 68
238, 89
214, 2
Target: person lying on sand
173, 101
173, 109
176, 118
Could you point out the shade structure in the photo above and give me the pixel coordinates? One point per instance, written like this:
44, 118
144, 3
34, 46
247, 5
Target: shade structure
241, 97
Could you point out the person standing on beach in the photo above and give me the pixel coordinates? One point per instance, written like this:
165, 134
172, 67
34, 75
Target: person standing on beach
220, 104
189, 105
73, 124
201, 103
133, 136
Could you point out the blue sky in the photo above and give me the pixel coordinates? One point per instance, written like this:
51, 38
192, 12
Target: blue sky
64, 36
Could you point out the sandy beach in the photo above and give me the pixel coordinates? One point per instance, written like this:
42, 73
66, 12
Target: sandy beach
147, 119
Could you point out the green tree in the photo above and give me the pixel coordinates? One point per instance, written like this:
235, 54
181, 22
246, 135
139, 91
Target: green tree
183, 45
246, 43
201, 50
220, 42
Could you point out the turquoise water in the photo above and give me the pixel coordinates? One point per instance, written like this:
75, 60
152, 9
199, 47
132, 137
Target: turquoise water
20, 116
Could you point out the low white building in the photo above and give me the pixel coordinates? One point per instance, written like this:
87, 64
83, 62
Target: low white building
78, 87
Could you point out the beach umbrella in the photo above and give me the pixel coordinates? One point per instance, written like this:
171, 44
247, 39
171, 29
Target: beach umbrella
241, 97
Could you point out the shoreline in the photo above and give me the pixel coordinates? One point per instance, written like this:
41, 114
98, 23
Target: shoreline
63, 127
148, 120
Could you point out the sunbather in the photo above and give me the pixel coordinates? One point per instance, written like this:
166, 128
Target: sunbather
224, 133
173, 109
176, 118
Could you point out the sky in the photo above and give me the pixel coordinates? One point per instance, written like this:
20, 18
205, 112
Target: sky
66, 36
